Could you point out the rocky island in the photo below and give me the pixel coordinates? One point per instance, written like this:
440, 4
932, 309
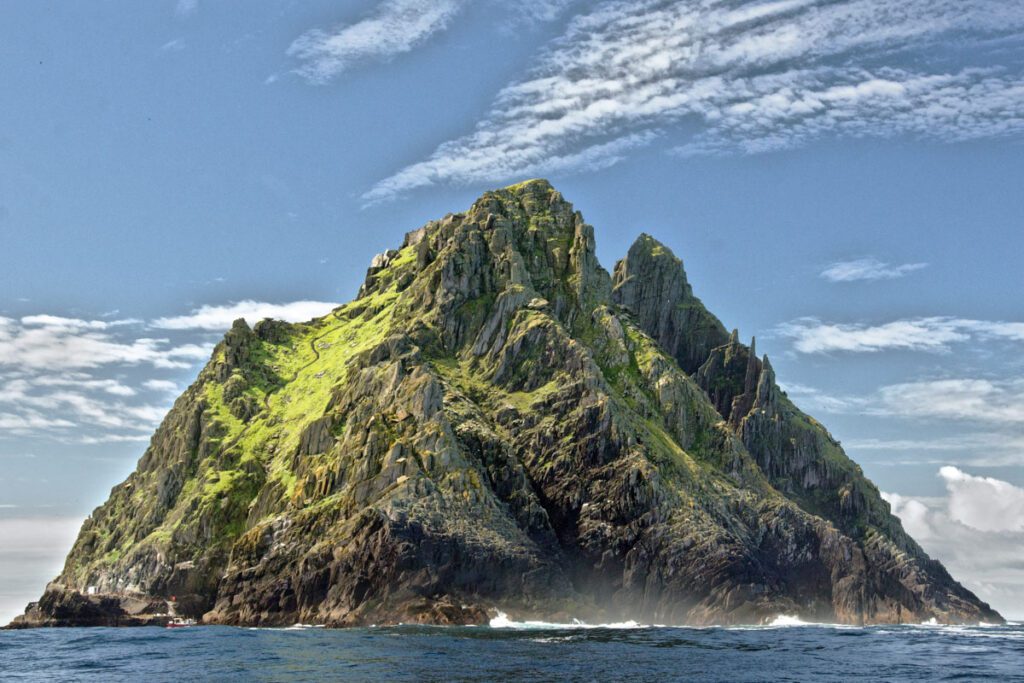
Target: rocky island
497, 422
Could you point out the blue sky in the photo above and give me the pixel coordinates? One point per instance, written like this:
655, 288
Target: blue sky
841, 178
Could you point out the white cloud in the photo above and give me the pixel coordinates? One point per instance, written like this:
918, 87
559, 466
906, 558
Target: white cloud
980, 400
789, 111
219, 318
976, 530
72, 402
756, 77
107, 438
29, 421
67, 378
868, 269
913, 514
998, 448
988, 330
393, 28
60, 322
396, 26
986, 414
983, 503
811, 397
161, 385
52, 343
937, 334
925, 334
80, 380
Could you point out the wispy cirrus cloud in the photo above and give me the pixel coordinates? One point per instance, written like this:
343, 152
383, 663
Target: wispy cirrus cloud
868, 269
393, 28
790, 111
999, 448
396, 26
752, 76
965, 399
935, 334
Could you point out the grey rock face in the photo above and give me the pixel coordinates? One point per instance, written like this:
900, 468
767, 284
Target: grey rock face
651, 284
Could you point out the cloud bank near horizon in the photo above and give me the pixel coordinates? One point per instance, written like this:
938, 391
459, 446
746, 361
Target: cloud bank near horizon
976, 530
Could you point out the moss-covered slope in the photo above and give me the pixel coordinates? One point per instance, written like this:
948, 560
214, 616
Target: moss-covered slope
497, 422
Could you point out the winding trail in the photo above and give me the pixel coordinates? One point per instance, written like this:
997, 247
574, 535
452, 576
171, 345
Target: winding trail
295, 375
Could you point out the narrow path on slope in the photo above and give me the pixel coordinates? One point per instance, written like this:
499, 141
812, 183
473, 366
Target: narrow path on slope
266, 397
295, 375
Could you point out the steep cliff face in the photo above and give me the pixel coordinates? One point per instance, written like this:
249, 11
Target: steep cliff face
497, 422
651, 283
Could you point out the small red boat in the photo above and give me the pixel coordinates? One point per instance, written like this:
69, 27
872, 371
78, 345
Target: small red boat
179, 622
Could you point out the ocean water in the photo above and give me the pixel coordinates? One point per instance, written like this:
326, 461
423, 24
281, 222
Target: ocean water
787, 650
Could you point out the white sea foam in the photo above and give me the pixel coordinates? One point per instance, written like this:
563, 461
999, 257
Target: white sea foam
784, 621
502, 621
293, 627
787, 620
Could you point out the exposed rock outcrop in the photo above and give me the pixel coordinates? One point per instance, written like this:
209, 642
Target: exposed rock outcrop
651, 283
60, 606
497, 422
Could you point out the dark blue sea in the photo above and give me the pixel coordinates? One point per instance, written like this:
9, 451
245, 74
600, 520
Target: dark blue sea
520, 652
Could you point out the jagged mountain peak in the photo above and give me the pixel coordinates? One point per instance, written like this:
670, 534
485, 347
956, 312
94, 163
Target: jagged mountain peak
646, 246
519, 243
496, 422
650, 282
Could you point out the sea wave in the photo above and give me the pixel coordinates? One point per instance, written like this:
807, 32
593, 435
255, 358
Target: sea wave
293, 627
787, 620
567, 651
502, 620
